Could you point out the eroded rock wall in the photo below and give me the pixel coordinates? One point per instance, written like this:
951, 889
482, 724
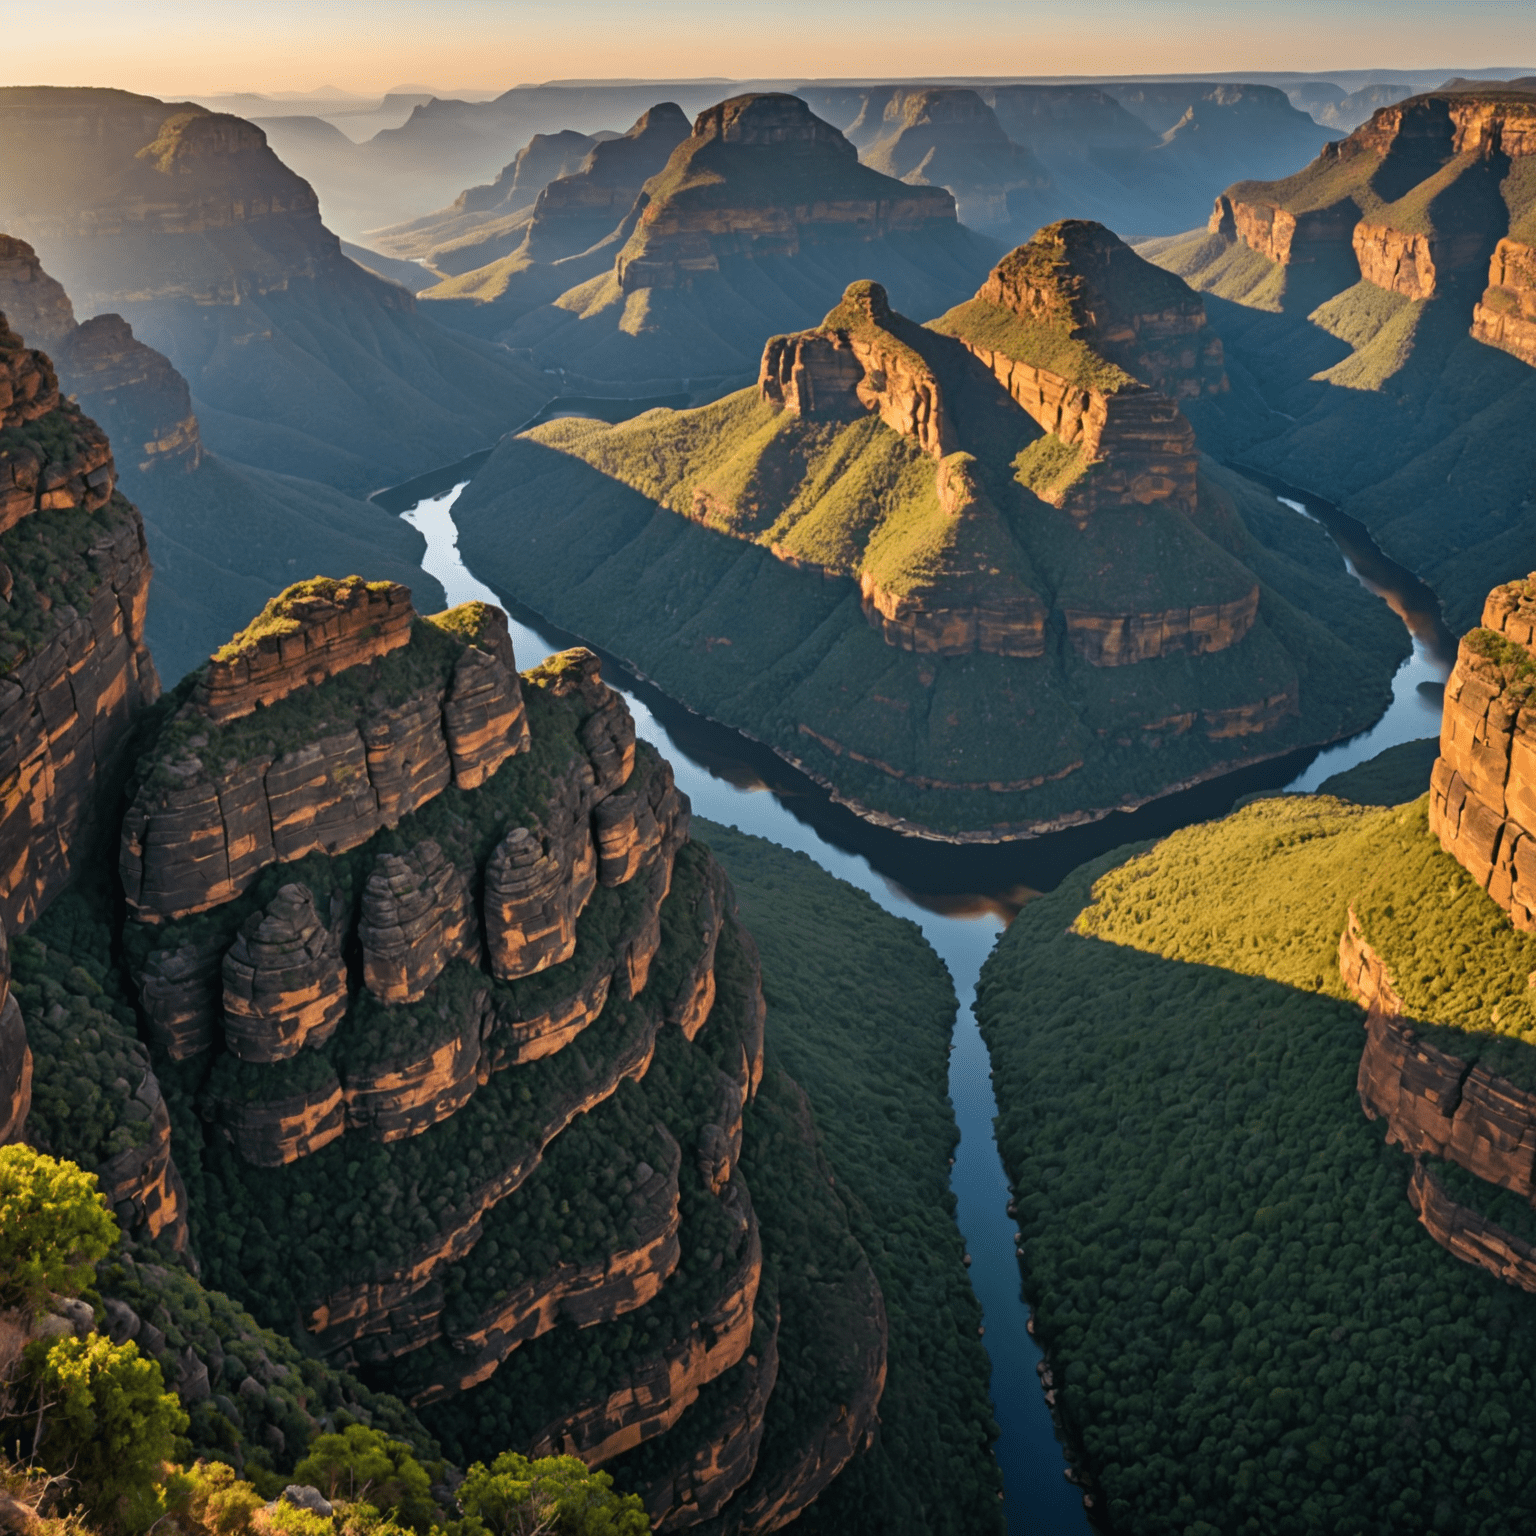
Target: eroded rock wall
1505, 316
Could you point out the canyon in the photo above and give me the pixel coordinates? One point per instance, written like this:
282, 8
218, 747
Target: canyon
1016, 481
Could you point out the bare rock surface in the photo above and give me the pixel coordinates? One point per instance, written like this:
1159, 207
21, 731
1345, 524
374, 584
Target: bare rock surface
416, 918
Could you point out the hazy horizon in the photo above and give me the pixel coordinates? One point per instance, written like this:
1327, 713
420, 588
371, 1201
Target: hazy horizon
491, 45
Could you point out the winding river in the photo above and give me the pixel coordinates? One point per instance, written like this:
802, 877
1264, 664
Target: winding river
963, 897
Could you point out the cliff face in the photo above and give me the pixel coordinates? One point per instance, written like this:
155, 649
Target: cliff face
1438, 1106
394, 905
1505, 316
141, 400
1413, 201
73, 652
702, 207
1483, 788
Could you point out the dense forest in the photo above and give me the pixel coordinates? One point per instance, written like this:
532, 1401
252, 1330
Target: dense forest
1248, 1329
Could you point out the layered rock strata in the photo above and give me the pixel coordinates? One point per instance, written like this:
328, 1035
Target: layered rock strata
416, 918
1115, 640
1505, 316
1483, 785
204, 826
74, 662
1437, 1105
696, 214
133, 390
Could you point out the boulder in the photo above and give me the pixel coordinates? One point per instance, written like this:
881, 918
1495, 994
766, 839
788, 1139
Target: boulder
181, 989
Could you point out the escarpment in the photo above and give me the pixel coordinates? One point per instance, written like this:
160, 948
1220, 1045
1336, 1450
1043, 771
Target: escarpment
1505, 316
1439, 1106
1417, 202
1483, 787
74, 584
483, 1043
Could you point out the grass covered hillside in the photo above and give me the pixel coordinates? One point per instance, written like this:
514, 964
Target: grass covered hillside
581, 522
1248, 1329
859, 1012
1355, 371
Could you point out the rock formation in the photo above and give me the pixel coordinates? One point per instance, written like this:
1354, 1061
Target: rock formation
1505, 316
1415, 201
75, 665
15, 1059
1483, 787
1438, 1105
464, 987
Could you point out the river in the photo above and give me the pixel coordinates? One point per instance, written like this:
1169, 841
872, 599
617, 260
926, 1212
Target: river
963, 897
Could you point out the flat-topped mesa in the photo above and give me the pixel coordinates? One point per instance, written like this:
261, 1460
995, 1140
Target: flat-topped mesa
304, 635
1505, 316
762, 175
367, 712
854, 363
1482, 802
1411, 198
1071, 324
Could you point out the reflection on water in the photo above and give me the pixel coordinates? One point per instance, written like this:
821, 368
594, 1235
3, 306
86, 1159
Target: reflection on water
962, 897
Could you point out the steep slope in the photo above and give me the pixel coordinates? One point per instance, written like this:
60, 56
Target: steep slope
1180, 1073
952, 139
758, 221
1367, 346
426, 948
187, 224
224, 537
582, 199
902, 526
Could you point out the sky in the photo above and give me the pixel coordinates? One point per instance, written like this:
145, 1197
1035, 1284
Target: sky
178, 47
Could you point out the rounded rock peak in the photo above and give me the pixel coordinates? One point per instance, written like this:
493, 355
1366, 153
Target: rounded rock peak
869, 296
768, 118
665, 114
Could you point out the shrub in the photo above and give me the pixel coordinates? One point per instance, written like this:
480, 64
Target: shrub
54, 1225
109, 1425
362, 1465
558, 1494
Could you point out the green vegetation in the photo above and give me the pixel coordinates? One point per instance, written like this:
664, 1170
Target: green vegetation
1249, 1331
361, 1465
54, 1225
1047, 345
109, 1425
557, 1494
859, 1012
280, 616
572, 518
1392, 777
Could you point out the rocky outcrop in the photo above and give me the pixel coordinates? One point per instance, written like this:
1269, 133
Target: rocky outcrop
390, 1100
584, 1294
717, 1470
1483, 785
285, 984
633, 824
1437, 1105
131, 389
576, 210
1286, 238
1118, 639
690, 1006
181, 989
1505, 316
209, 817
705, 206
483, 715
270, 1133
76, 667
1471, 1238
309, 633
416, 918
657, 1393
142, 1184
855, 364
535, 888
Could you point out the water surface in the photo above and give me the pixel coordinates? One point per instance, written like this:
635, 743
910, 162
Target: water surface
962, 897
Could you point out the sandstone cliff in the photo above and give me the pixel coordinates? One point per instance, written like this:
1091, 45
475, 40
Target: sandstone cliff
481, 959
1505, 316
74, 585
1483, 787
1437, 1105
1413, 201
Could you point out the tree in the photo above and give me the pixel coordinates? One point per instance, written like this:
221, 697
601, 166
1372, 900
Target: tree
364, 1466
54, 1225
559, 1495
108, 1425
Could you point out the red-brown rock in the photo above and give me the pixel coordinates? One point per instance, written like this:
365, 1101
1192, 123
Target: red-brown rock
1471, 1238
1505, 316
285, 985
416, 918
